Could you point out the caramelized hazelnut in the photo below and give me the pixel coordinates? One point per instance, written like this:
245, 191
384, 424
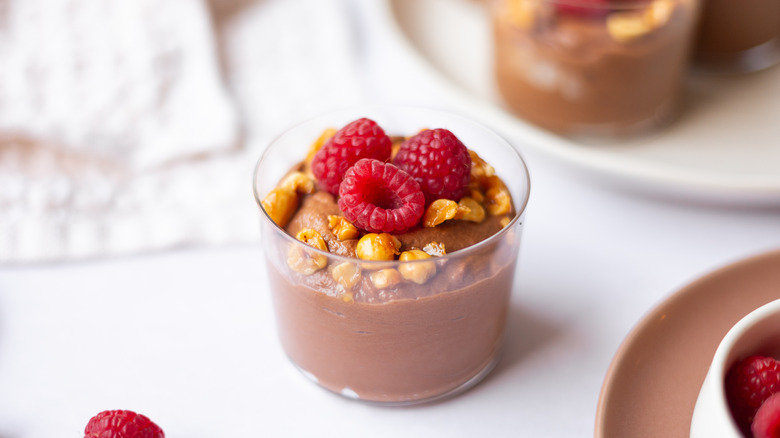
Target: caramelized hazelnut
375, 246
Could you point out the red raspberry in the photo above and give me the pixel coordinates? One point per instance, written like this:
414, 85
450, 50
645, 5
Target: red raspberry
583, 8
121, 424
380, 198
767, 421
362, 138
438, 161
748, 384
594, 8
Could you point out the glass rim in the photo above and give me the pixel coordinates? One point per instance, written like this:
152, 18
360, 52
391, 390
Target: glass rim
378, 264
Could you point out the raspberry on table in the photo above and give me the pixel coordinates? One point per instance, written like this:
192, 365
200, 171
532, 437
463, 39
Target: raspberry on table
122, 424
748, 384
767, 421
362, 138
439, 162
380, 198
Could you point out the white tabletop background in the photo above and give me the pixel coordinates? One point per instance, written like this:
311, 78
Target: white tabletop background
187, 336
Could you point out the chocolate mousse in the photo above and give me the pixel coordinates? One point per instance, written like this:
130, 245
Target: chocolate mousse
739, 36
601, 72
393, 317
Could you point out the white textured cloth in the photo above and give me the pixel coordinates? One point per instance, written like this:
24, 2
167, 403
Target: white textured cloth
121, 131
133, 81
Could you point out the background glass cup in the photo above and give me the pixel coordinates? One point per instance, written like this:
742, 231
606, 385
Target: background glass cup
401, 344
738, 36
589, 69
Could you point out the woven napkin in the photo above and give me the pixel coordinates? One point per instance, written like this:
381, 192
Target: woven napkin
133, 126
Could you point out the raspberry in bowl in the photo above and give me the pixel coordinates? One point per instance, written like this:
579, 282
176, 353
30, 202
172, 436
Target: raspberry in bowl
740, 395
391, 278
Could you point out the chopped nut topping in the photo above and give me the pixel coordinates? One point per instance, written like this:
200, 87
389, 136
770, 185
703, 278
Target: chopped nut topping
627, 26
346, 274
477, 195
416, 272
312, 238
488, 182
435, 249
280, 204
498, 201
659, 12
375, 246
497, 198
342, 228
474, 212
385, 278
480, 169
439, 211
521, 13
308, 262
297, 182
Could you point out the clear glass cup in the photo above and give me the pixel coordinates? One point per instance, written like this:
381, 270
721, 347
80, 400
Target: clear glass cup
593, 69
738, 36
345, 323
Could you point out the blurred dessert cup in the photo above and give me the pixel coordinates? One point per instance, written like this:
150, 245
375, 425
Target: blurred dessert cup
593, 68
738, 36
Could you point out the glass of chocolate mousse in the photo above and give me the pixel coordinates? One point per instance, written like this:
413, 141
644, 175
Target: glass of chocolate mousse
391, 237
593, 69
738, 36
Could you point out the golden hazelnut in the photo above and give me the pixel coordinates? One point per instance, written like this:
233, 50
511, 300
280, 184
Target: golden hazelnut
297, 182
280, 204
498, 200
439, 211
474, 212
305, 261
346, 274
627, 26
373, 246
384, 278
416, 272
342, 228
435, 249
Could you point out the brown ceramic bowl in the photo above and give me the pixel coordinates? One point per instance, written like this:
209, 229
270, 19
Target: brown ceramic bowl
652, 384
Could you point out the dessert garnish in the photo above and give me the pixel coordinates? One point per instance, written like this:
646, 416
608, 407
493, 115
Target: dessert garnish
594, 8
380, 198
583, 8
362, 138
371, 188
122, 424
439, 161
749, 384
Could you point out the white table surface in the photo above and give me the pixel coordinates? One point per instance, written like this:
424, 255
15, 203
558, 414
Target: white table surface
187, 337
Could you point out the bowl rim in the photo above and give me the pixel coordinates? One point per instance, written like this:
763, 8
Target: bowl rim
719, 367
712, 397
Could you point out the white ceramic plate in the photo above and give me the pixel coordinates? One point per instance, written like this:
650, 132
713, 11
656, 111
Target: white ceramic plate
724, 148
